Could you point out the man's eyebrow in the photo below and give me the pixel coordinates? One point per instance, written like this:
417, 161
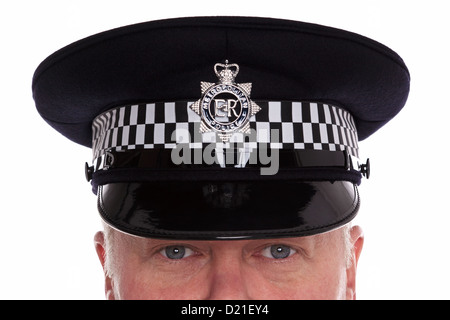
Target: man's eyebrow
144, 245
149, 244
310, 242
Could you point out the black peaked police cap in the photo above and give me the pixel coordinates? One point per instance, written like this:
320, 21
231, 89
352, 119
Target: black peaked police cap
223, 127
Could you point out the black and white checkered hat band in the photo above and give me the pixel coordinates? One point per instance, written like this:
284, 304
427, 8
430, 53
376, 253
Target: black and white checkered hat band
282, 124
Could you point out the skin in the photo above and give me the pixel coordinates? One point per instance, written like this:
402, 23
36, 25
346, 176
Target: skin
317, 267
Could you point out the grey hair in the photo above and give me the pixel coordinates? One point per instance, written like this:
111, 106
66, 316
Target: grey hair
348, 246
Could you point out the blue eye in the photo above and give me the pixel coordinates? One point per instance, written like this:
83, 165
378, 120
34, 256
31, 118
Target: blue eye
176, 252
278, 251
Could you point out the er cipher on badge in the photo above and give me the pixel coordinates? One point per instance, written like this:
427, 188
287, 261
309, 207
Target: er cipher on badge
225, 107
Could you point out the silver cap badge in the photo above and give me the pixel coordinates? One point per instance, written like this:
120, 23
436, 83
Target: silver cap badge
225, 106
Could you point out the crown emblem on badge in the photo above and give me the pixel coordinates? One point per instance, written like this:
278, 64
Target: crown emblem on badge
225, 107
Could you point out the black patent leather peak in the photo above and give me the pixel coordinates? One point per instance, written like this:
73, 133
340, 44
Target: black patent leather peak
227, 210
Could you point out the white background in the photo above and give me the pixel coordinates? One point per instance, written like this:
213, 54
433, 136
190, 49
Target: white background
48, 213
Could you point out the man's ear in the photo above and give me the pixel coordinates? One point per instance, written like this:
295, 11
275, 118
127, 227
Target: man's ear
356, 241
100, 248
99, 243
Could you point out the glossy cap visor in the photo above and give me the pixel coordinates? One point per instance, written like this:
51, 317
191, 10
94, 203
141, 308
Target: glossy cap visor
203, 210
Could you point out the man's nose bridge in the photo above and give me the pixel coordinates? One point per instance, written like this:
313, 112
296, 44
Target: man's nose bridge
227, 278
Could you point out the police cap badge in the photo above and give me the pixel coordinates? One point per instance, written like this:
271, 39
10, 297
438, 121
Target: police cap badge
225, 106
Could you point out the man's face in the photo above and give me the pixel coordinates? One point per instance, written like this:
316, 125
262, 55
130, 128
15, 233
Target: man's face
315, 267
